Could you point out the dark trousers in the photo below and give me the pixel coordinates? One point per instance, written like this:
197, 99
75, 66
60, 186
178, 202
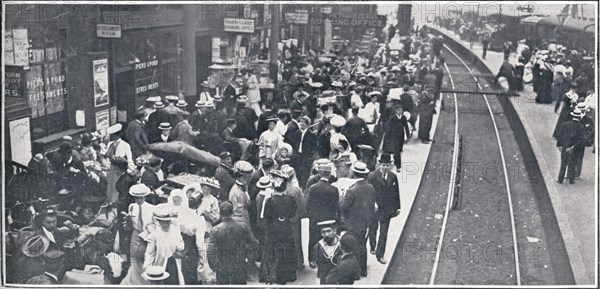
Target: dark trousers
578, 155
379, 244
361, 255
231, 277
397, 158
567, 164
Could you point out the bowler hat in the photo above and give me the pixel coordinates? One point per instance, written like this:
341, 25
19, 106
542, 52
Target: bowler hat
385, 158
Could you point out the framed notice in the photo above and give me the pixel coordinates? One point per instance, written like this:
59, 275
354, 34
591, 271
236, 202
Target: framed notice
20, 140
100, 67
102, 121
20, 47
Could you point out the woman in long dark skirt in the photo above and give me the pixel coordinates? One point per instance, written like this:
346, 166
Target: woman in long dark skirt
569, 100
426, 111
278, 264
544, 94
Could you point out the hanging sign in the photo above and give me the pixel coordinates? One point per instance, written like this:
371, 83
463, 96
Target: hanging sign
238, 25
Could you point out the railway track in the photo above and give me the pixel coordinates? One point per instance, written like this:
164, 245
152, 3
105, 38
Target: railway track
504, 232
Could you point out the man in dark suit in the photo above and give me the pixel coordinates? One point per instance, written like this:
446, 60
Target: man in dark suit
395, 130
155, 119
136, 133
321, 205
387, 199
226, 250
293, 126
151, 180
165, 133
47, 224
305, 147
245, 125
356, 130
570, 139
347, 270
358, 209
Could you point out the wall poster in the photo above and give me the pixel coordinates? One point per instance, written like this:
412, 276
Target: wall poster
100, 82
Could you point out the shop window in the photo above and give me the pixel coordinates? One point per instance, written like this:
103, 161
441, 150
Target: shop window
46, 95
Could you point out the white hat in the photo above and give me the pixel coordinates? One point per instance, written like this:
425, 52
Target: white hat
171, 98
153, 99
210, 182
139, 190
359, 167
338, 121
115, 128
243, 167
155, 273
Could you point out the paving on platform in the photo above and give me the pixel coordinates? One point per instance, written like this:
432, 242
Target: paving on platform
414, 158
575, 205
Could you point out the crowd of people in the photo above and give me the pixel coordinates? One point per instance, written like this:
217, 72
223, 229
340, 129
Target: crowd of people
326, 146
560, 75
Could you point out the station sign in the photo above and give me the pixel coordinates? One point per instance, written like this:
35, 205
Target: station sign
353, 20
108, 31
238, 25
297, 17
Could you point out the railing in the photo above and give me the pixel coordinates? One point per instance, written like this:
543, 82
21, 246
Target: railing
12, 169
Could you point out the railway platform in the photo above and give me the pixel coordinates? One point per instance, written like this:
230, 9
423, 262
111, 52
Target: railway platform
575, 205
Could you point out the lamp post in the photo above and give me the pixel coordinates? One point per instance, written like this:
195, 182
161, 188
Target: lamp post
327, 28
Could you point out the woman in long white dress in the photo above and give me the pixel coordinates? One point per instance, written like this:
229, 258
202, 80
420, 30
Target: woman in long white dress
192, 228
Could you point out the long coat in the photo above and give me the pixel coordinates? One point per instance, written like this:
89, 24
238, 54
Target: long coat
426, 110
358, 206
227, 250
387, 194
279, 257
395, 131
136, 137
303, 161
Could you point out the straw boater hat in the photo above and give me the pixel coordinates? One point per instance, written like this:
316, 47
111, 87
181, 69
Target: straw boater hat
164, 212
242, 98
359, 167
272, 119
181, 103
35, 246
264, 182
576, 113
155, 273
115, 128
316, 85
205, 83
171, 98
582, 106
159, 104
153, 99
164, 126
139, 190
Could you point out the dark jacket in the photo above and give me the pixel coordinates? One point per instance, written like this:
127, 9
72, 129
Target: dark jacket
395, 131
198, 121
224, 175
309, 144
228, 245
358, 206
150, 179
355, 128
345, 272
322, 202
136, 137
387, 194
290, 134
154, 120
571, 134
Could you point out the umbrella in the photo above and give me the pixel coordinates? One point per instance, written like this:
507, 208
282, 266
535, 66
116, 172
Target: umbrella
178, 149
